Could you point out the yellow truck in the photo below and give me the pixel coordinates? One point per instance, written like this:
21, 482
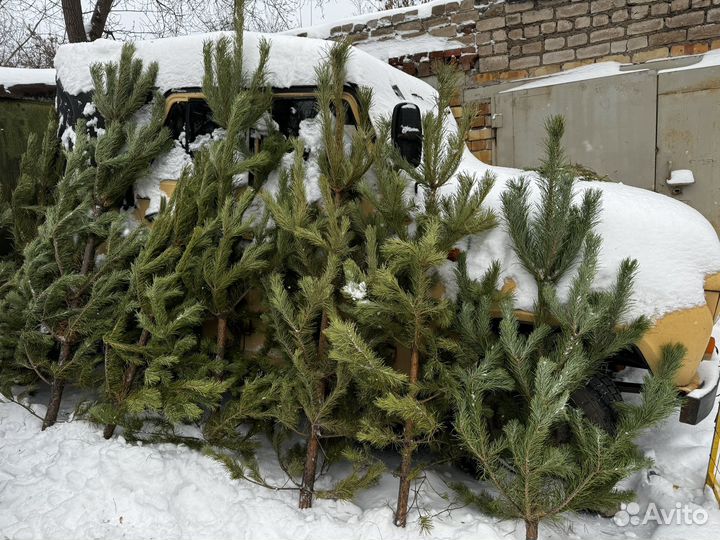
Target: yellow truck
678, 282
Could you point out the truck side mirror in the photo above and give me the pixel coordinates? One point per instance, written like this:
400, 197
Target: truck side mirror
406, 132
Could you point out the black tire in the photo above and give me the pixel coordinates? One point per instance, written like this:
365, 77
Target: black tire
597, 402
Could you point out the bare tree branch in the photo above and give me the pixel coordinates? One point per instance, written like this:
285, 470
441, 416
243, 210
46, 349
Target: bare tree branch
99, 18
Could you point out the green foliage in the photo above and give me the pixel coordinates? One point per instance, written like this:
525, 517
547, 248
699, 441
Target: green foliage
547, 239
203, 256
66, 307
311, 241
400, 311
403, 312
342, 170
226, 254
313, 386
228, 88
545, 457
40, 172
153, 360
122, 88
23, 210
71, 294
443, 147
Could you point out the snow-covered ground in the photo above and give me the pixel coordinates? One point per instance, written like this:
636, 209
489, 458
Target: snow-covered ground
69, 483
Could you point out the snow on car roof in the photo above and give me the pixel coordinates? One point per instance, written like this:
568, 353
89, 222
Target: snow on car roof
292, 62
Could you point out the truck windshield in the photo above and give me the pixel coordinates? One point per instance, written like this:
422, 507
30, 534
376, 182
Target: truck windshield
192, 118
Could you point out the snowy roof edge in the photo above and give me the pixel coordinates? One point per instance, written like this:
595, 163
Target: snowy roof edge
322, 30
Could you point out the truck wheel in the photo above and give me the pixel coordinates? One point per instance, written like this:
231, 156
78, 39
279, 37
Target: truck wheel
597, 402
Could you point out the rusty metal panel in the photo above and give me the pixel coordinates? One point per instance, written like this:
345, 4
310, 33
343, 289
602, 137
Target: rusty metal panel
688, 136
610, 124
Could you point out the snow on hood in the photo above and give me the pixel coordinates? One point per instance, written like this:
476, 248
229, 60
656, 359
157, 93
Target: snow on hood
10, 77
675, 246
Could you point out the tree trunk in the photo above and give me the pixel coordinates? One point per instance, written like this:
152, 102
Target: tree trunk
322, 340
128, 378
221, 338
310, 470
109, 430
313, 447
56, 390
58, 385
531, 530
401, 510
99, 18
88, 257
74, 25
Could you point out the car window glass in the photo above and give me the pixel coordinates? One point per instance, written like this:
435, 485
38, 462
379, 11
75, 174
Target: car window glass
288, 113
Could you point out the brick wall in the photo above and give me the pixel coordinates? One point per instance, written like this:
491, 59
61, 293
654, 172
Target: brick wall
494, 41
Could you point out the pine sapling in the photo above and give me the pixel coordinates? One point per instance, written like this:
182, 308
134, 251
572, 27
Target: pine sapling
125, 343
443, 142
206, 242
544, 457
404, 301
61, 262
316, 241
225, 259
225, 77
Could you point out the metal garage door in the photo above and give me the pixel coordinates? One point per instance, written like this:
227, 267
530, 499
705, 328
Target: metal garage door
610, 124
688, 136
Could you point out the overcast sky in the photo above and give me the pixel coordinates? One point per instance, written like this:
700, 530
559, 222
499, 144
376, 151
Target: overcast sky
333, 10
